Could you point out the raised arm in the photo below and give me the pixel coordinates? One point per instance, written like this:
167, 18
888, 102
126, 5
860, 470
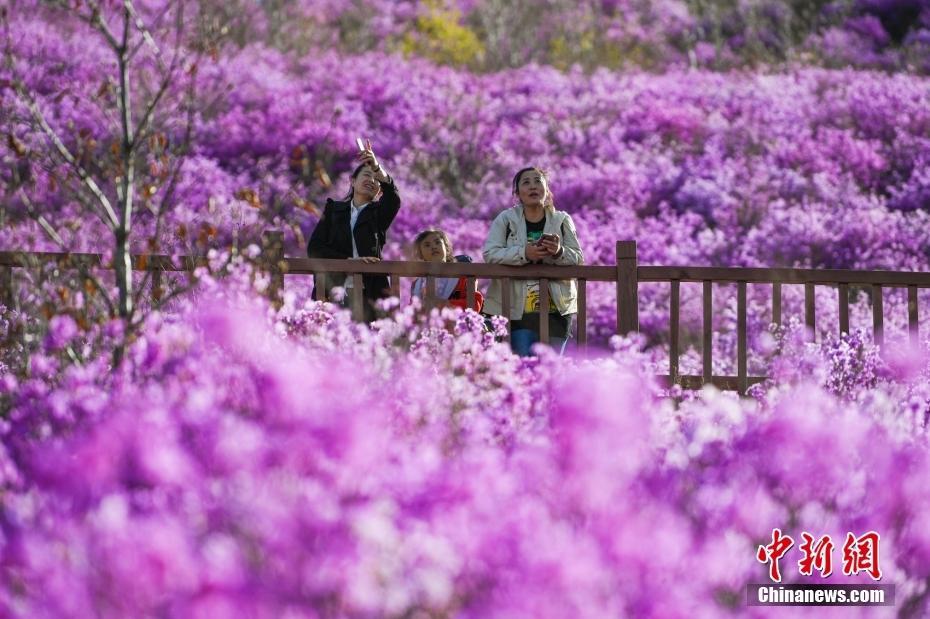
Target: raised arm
389, 204
495, 249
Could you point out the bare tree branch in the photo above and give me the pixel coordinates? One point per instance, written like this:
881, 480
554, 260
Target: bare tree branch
147, 38
170, 74
142, 128
105, 111
40, 219
182, 155
153, 79
98, 21
175, 293
95, 18
66, 154
56, 238
62, 150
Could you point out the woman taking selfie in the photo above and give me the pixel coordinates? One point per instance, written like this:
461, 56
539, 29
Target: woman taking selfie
534, 232
355, 227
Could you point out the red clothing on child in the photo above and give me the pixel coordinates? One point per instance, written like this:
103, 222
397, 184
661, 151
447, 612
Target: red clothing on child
459, 298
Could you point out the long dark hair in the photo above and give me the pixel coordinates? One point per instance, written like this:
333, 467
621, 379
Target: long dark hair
355, 173
550, 202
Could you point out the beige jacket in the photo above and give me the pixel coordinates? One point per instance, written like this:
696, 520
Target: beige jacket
506, 244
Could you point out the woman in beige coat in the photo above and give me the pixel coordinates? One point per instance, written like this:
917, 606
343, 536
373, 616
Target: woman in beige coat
534, 232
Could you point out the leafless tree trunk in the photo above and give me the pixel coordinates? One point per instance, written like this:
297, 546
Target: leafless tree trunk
111, 192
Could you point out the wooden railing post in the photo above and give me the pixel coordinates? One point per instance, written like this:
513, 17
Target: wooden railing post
912, 315
878, 318
810, 308
6, 286
843, 293
776, 303
544, 310
274, 263
429, 295
582, 323
357, 299
707, 349
674, 309
157, 291
320, 283
506, 301
627, 288
742, 339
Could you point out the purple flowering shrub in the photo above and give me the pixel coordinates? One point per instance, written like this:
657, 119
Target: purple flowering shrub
251, 461
490, 35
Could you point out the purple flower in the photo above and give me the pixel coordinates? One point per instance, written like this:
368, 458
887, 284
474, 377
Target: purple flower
61, 330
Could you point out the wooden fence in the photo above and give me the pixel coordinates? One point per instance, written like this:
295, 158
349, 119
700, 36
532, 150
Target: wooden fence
626, 275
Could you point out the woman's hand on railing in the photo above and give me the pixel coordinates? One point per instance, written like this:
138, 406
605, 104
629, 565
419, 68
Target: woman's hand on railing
367, 259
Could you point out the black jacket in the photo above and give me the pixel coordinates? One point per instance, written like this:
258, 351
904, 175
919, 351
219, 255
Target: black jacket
330, 238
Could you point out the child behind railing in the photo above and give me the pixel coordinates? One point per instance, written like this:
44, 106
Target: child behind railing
434, 246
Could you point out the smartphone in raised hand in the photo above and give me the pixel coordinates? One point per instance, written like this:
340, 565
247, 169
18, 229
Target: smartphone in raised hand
360, 144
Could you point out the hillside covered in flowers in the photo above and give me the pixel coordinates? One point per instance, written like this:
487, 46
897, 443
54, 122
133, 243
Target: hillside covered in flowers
784, 165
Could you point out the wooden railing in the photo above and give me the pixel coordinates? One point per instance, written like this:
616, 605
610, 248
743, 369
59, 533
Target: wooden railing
626, 275
810, 278
472, 272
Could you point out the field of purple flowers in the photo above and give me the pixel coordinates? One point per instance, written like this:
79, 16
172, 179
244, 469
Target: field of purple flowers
242, 460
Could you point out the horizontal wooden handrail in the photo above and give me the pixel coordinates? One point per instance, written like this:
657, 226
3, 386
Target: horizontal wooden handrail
595, 273
308, 266
782, 275
140, 262
598, 273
